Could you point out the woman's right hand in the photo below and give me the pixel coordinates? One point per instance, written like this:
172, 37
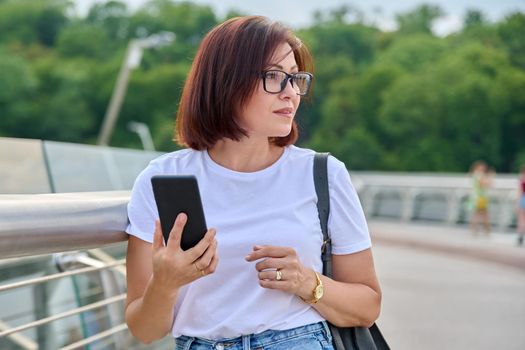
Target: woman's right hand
174, 267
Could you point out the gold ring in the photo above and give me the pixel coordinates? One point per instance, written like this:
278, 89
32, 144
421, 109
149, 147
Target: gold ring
199, 270
278, 275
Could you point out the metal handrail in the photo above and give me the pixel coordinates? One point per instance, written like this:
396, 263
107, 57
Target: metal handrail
20, 339
47, 223
59, 275
89, 340
430, 180
64, 314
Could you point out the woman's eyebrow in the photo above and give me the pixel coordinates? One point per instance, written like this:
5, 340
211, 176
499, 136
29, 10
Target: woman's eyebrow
281, 67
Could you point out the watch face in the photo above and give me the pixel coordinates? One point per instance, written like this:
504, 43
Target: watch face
318, 293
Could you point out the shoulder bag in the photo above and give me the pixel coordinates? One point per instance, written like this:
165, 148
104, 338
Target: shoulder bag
344, 338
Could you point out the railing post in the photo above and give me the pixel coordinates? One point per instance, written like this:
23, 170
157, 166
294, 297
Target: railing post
368, 202
408, 196
506, 208
453, 206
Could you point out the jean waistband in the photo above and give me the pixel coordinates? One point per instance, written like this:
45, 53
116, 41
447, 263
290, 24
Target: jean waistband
263, 338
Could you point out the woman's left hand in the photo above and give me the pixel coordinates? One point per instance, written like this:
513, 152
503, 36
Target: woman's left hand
280, 268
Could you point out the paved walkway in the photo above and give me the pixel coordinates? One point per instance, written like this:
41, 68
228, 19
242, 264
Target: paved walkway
445, 289
497, 247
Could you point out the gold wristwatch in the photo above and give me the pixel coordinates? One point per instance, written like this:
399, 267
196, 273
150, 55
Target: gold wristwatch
317, 292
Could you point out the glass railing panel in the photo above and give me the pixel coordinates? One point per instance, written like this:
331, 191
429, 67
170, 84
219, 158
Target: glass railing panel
81, 168
22, 167
129, 163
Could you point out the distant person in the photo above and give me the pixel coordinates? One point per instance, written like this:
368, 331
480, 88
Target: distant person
255, 280
479, 200
521, 206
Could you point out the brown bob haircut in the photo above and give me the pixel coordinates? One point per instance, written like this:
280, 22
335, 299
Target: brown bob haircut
225, 74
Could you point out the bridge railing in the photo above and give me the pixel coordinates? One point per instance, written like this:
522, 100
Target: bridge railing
50, 299
434, 197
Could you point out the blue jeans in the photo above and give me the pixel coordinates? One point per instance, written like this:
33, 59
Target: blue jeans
310, 337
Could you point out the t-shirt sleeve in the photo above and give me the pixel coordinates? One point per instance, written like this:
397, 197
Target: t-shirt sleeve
142, 210
347, 225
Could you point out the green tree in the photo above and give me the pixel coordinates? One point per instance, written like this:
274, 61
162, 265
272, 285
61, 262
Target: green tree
508, 100
61, 106
475, 29
84, 40
412, 52
474, 18
512, 33
18, 89
419, 20
113, 16
357, 41
446, 111
339, 49
311, 115
370, 94
190, 22
29, 21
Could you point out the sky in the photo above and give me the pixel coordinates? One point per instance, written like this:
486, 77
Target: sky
298, 13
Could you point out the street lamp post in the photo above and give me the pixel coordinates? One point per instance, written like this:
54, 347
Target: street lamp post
145, 136
131, 61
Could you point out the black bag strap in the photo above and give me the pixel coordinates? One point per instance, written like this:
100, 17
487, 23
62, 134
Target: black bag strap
323, 210
323, 207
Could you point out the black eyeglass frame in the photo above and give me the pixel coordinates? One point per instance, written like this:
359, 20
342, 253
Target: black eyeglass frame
286, 80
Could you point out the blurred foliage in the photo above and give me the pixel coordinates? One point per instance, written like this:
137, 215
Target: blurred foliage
401, 100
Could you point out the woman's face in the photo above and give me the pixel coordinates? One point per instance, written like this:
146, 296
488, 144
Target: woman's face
482, 168
271, 115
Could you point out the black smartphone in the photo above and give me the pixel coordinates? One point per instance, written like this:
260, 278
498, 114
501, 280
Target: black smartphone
176, 194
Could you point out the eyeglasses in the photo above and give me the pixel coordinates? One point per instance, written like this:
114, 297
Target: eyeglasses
274, 81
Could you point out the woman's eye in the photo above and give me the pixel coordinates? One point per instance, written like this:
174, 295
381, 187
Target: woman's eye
273, 76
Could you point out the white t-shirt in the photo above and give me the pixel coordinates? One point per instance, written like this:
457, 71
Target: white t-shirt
274, 206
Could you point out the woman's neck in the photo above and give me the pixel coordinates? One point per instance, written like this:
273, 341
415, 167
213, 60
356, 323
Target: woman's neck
246, 155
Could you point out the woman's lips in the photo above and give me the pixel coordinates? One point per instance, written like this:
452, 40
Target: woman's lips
288, 112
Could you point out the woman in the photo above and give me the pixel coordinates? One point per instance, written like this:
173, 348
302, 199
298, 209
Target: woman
479, 200
254, 280
521, 206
